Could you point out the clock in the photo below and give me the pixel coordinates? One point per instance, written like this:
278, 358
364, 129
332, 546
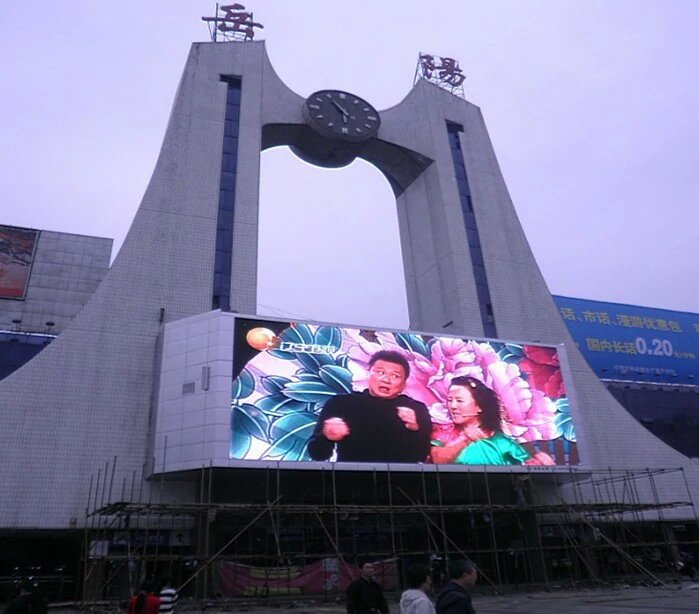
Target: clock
341, 115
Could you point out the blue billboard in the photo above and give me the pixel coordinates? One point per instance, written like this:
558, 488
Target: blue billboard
627, 342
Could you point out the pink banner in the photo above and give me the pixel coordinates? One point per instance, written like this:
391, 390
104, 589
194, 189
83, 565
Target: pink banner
323, 576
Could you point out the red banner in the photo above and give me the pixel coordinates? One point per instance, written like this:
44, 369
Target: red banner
324, 576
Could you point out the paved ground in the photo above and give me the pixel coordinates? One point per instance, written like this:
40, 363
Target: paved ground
623, 600
619, 601
634, 600
600, 602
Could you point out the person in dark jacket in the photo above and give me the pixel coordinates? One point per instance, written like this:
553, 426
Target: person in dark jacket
364, 595
455, 598
380, 424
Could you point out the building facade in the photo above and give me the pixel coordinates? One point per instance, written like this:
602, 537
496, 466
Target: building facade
47, 277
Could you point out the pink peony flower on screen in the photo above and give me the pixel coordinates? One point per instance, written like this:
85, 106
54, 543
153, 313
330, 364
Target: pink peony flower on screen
431, 377
527, 413
543, 370
537, 424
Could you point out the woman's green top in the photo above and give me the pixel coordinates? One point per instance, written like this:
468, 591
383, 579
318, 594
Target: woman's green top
496, 450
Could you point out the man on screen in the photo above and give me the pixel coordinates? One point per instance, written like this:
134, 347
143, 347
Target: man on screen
378, 425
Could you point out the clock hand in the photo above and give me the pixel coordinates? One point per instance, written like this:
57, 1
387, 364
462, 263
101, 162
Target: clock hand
340, 108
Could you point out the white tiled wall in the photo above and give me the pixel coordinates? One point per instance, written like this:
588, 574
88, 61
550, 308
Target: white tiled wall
66, 271
193, 430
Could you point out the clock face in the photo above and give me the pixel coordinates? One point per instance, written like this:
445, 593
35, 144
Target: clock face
341, 115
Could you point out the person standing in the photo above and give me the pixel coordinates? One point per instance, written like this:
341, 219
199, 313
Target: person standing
168, 597
455, 598
476, 435
415, 600
145, 602
364, 595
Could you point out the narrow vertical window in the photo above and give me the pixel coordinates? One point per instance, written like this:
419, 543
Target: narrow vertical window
221, 296
472, 236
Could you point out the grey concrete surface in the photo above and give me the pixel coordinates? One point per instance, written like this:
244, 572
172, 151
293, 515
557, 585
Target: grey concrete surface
681, 598
615, 601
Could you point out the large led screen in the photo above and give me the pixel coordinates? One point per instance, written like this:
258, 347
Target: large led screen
17, 247
312, 393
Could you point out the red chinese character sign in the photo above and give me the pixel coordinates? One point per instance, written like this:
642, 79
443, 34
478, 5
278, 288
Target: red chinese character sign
442, 71
232, 23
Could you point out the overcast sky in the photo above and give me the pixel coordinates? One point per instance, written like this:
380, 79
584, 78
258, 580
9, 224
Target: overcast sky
592, 107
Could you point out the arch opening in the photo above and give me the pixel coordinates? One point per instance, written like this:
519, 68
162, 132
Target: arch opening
329, 244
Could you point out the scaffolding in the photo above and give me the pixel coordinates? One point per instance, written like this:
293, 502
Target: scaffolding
545, 529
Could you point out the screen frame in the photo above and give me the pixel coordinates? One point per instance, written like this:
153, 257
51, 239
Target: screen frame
566, 374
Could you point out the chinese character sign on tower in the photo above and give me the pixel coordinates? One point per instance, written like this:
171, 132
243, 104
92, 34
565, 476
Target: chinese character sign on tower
233, 23
442, 71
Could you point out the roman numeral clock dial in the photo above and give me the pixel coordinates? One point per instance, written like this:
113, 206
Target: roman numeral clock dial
341, 115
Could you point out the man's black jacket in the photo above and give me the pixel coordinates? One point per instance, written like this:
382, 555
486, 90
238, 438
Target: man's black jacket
364, 596
454, 600
377, 434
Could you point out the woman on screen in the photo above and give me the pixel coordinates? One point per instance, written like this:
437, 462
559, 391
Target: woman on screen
475, 436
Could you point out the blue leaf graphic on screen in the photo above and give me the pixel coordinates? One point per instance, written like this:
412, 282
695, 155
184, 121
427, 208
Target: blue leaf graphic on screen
330, 336
311, 392
299, 333
304, 376
338, 378
563, 421
290, 435
343, 361
274, 383
241, 426
289, 424
509, 352
299, 452
251, 420
278, 405
313, 362
240, 444
412, 343
292, 446
243, 385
